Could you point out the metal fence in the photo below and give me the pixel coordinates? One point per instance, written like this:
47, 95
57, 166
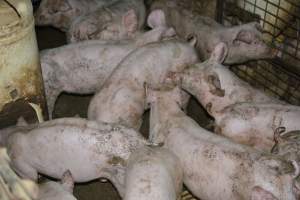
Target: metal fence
280, 20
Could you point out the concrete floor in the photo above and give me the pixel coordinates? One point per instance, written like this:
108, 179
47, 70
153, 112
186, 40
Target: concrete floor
69, 105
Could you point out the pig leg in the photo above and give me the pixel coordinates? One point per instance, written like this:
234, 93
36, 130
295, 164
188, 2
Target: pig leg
260, 194
24, 170
51, 96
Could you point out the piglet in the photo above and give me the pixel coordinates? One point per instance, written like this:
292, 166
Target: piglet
88, 149
244, 42
61, 13
215, 86
83, 67
122, 97
254, 124
153, 173
118, 21
214, 167
52, 190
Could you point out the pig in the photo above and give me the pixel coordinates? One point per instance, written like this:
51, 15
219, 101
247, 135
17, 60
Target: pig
52, 190
153, 173
215, 167
121, 20
244, 42
83, 67
61, 13
88, 149
254, 124
215, 86
122, 97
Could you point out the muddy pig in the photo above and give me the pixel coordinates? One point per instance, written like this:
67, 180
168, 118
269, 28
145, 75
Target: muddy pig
52, 190
122, 97
53, 148
91, 62
215, 86
254, 124
121, 20
61, 13
244, 42
214, 167
153, 173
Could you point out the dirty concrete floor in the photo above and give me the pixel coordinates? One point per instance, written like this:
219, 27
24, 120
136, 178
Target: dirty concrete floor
69, 105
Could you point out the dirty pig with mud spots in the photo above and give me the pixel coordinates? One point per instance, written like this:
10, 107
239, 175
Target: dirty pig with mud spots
59, 145
214, 167
122, 97
83, 67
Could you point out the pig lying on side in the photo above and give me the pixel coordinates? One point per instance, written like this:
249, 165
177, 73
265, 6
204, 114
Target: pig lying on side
88, 149
118, 21
245, 41
215, 167
61, 13
153, 173
58, 191
122, 97
254, 124
83, 67
215, 86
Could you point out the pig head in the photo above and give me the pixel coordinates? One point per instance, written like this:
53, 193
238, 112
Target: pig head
244, 42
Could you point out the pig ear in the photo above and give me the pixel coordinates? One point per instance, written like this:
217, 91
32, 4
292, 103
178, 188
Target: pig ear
219, 54
260, 194
21, 122
156, 18
130, 21
67, 181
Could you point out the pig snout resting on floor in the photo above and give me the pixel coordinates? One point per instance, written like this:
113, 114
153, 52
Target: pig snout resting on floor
88, 149
244, 42
254, 124
58, 191
153, 173
215, 86
118, 21
122, 97
214, 167
61, 13
83, 67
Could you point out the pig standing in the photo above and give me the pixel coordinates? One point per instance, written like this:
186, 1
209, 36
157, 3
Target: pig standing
215, 86
244, 42
254, 124
83, 67
215, 167
153, 173
58, 191
122, 97
117, 21
61, 13
88, 149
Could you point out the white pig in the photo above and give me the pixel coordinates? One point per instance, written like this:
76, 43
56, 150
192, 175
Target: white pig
122, 97
245, 41
254, 124
84, 66
61, 13
52, 190
215, 86
214, 167
88, 149
153, 173
120, 20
